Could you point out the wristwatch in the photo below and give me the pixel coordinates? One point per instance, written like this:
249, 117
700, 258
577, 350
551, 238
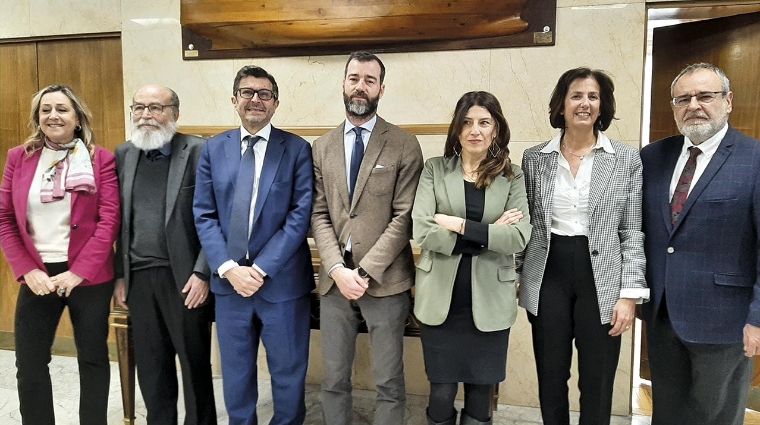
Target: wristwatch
362, 273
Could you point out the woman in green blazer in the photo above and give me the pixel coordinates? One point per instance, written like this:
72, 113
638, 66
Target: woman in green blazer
470, 217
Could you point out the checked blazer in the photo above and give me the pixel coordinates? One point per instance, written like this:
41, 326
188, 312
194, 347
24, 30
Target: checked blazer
616, 243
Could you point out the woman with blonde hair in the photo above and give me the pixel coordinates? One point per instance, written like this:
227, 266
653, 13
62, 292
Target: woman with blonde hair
59, 217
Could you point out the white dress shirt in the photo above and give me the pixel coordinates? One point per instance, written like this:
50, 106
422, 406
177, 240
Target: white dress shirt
708, 148
259, 150
570, 213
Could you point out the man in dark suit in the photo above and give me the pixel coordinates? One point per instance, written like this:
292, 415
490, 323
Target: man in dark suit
701, 210
252, 206
162, 273
366, 175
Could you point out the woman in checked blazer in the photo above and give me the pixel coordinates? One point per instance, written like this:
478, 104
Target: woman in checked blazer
583, 269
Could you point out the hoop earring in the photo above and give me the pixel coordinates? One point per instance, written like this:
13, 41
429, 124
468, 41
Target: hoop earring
78, 128
455, 149
490, 149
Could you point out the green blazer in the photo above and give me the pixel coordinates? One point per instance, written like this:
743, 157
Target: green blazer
494, 301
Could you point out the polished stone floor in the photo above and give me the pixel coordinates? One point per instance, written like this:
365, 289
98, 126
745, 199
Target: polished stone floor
66, 396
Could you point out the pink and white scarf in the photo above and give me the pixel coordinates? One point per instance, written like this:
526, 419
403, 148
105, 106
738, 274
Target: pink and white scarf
70, 171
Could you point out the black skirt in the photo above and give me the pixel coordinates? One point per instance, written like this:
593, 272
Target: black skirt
456, 351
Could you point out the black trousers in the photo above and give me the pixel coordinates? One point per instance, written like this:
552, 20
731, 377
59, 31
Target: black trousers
568, 310
164, 328
37, 319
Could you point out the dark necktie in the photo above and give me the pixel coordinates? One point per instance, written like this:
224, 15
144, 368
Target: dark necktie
237, 231
684, 183
356, 161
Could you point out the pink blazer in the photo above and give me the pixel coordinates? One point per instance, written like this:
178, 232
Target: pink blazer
95, 219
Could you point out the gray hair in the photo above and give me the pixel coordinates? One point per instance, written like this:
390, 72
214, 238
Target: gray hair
725, 84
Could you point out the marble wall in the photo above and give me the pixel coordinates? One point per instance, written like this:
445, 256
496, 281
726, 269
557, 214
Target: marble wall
421, 88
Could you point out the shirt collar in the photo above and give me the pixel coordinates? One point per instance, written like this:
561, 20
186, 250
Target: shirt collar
165, 151
709, 146
264, 133
602, 142
369, 125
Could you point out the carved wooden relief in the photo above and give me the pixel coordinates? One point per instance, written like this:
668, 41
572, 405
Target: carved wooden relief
268, 28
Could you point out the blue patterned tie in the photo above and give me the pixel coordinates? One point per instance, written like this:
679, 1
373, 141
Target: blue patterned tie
237, 231
356, 161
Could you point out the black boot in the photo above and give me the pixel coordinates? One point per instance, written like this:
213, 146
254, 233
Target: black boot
452, 421
467, 420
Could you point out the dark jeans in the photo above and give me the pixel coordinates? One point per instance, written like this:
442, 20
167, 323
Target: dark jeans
37, 319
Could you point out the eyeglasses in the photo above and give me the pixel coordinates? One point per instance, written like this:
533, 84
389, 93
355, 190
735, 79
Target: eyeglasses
153, 108
703, 98
264, 94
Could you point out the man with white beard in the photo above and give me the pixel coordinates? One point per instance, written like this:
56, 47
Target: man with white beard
162, 273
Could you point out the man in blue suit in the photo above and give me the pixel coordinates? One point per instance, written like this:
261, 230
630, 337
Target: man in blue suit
252, 209
701, 210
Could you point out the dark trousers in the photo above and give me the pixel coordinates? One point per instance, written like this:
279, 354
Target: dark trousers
164, 328
283, 327
695, 384
37, 319
568, 310
339, 322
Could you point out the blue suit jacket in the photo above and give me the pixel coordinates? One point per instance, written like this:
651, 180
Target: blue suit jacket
706, 266
281, 219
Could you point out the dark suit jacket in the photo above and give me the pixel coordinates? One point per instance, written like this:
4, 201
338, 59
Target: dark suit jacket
185, 253
706, 266
94, 219
379, 218
281, 219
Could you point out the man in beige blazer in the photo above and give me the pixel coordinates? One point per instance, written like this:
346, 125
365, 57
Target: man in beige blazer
366, 172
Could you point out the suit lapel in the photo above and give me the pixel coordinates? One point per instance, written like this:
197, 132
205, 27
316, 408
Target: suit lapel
28, 167
177, 165
374, 147
232, 149
496, 198
454, 183
547, 169
604, 164
272, 158
130, 169
336, 159
716, 162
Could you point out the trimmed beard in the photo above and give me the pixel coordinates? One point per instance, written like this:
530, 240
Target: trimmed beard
360, 110
699, 133
148, 138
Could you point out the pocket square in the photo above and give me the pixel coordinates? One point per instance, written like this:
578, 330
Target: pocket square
378, 166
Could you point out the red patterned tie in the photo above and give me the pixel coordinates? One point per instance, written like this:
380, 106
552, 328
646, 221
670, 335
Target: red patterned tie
684, 182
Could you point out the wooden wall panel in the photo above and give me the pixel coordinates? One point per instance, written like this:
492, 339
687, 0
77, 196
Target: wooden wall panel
18, 82
93, 69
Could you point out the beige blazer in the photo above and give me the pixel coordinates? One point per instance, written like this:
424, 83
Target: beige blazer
379, 218
441, 190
